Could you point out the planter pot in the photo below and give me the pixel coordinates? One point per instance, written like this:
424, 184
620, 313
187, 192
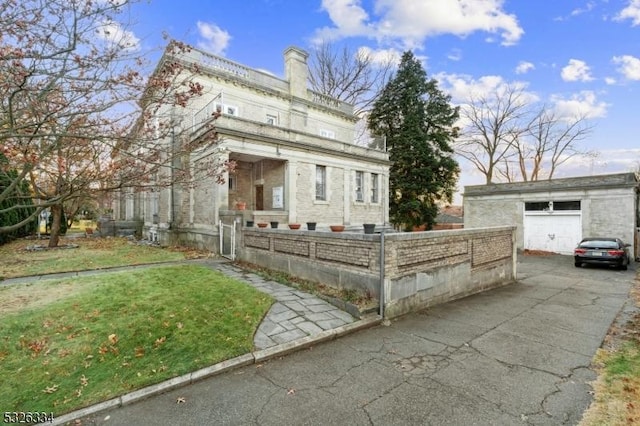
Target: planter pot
294, 226
262, 225
369, 228
419, 228
337, 228
274, 224
311, 226
241, 205
249, 224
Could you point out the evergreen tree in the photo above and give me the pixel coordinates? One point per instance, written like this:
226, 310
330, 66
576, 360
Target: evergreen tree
417, 120
15, 207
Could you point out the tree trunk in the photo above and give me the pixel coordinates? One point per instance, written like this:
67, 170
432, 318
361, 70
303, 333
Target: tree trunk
56, 212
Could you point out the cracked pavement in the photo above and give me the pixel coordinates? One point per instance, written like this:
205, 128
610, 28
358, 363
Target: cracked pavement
519, 354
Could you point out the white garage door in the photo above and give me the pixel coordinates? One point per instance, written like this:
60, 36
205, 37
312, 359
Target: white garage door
555, 232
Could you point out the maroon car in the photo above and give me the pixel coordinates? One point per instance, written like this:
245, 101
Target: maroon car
602, 251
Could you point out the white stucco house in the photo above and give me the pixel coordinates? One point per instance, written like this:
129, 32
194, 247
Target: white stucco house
554, 215
296, 160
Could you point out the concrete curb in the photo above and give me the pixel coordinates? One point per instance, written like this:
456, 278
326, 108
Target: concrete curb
222, 367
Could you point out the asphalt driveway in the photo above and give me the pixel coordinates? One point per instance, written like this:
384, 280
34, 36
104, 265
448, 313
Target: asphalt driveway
516, 355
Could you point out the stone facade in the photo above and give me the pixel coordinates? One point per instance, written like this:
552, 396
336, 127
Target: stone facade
278, 133
421, 269
608, 204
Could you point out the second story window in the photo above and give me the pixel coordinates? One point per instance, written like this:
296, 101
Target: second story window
327, 133
272, 119
321, 183
227, 109
374, 187
359, 186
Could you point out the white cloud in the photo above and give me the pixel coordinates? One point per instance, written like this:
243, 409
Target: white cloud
113, 33
576, 70
584, 104
524, 67
410, 22
610, 81
632, 11
381, 56
579, 11
455, 55
214, 38
629, 66
462, 87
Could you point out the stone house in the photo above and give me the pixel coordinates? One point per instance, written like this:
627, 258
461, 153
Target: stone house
295, 155
554, 215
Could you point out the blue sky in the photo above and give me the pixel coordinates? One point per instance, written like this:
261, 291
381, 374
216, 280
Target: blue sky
581, 56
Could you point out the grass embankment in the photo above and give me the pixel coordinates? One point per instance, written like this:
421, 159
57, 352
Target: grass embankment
617, 388
85, 340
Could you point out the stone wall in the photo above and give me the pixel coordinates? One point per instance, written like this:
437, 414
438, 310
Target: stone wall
420, 269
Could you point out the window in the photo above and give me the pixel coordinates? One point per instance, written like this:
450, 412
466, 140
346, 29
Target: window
374, 187
327, 133
233, 183
321, 183
272, 119
359, 186
227, 109
545, 206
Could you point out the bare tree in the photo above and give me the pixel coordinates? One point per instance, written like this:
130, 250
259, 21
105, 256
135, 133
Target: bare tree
79, 111
507, 137
492, 123
552, 141
352, 77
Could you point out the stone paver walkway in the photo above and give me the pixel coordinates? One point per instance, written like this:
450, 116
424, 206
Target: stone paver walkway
295, 314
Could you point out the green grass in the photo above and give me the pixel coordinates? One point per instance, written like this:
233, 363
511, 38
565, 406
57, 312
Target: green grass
624, 363
92, 253
89, 339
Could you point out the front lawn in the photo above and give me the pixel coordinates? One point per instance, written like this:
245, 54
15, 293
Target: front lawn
66, 344
92, 253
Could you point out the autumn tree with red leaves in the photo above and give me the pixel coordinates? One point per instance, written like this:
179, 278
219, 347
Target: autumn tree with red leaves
80, 112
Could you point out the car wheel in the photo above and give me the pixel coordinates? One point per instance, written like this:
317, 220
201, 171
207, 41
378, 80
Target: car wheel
577, 264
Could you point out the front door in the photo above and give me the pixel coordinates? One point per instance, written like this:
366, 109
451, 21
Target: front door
259, 197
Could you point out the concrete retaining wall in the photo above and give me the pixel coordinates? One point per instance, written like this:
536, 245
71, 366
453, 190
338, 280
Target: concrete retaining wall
420, 269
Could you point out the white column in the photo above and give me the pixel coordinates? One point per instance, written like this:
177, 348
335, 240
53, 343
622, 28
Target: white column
221, 191
347, 196
291, 188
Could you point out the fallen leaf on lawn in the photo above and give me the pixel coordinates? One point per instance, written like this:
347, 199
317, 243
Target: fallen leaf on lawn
139, 352
50, 389
84, 381
160, 341
181, 400
179, 325
291, 392
113, 339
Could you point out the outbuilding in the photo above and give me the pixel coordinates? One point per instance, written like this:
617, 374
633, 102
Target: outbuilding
554, 215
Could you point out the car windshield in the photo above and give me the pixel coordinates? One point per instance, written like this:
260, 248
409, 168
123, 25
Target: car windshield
605, 244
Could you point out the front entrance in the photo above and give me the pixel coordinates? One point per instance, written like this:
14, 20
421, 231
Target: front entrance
259, 197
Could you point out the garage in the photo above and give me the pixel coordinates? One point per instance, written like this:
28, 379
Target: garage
554, 215
552, 226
